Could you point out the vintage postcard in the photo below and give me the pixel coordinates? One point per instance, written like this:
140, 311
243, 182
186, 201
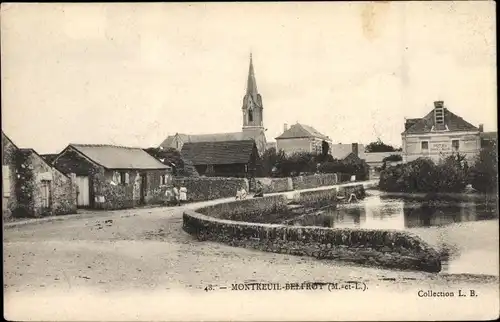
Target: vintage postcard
245, 161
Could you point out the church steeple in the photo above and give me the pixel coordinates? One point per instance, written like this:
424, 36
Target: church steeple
252, 102
251, 82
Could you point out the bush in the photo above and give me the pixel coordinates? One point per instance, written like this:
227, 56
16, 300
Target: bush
359, 169
484, 173
393, 158
423, 175
301, 162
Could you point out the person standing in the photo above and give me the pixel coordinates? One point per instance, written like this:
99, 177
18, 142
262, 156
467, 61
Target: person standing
183, 194
169, 195
176, 196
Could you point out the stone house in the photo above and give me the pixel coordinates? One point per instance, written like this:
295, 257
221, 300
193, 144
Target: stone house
31, 187
114, 177
438, 134
252, 112
301, 138
223, 159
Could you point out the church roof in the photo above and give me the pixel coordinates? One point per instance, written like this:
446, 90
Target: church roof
227, 152
195, 138
302, 131
452, 122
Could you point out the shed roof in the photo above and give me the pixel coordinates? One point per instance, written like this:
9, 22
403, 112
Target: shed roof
119, 157
225, 152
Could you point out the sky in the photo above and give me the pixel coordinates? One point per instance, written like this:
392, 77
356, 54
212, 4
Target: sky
132, 74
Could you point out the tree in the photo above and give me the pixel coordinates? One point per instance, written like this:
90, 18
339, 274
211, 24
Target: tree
169, 156
325, 147
484, 172
270, 160
379, 146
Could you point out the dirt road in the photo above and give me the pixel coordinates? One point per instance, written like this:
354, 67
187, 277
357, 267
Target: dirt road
146, 251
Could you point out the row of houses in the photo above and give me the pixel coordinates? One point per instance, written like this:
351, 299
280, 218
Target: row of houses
81, 176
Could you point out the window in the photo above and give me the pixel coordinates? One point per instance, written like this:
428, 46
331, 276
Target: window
455, 144
6, 180
164, 179
250, 116
121, 177
425, 145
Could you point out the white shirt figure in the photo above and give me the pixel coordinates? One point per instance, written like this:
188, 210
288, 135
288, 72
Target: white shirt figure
176, 192
169, 194
183, 193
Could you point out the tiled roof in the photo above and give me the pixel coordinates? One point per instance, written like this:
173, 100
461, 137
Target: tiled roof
119, 157
227, 152
301, 131
452, 123
195, 138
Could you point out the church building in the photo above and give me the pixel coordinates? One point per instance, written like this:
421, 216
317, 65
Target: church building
253, 122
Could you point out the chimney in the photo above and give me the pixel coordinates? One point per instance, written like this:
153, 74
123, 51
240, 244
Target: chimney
355, 148
285, 127
481, 128
438, 112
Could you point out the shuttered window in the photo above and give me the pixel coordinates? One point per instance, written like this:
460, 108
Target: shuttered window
6, 181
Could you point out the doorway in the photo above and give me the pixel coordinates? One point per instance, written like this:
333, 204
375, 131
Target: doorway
83, 198
144, 185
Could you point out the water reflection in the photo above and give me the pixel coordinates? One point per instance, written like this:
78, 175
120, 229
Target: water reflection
378, 213
465, 233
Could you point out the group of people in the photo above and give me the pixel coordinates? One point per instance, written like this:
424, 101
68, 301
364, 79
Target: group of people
176, 195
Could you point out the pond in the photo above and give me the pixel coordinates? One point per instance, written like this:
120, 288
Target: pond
464, 232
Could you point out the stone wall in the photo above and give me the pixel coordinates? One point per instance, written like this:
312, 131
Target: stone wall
251, 210
128, 195
9, 200
316, 198
244, 223
62, 188
313, 181
272, 185
209, 188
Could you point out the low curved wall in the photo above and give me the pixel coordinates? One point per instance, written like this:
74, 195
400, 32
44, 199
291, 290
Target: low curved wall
229, 223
